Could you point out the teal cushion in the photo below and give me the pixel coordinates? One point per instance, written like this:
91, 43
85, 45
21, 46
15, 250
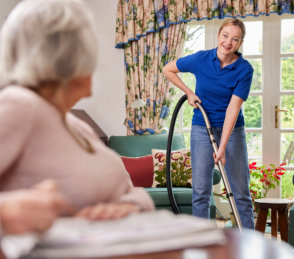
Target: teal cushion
183, 197
186, 209
137, 146
159, 195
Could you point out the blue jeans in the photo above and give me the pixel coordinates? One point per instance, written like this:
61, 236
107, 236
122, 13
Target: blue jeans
236, 168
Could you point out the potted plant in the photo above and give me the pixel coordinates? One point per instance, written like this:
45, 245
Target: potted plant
262, 180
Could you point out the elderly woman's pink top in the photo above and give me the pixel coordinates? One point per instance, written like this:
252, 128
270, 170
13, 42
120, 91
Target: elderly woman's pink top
35, 144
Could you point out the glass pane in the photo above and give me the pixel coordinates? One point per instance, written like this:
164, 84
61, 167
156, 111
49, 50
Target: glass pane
287, 118
252, 112
195, 39
287, 184
253, 40
187, 137
287, 41
287, 148
254, 146
190, 81
287, 73
187, 115
174, 102
257, 75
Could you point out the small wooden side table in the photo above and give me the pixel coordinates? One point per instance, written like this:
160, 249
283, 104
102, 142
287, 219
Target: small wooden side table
279, 215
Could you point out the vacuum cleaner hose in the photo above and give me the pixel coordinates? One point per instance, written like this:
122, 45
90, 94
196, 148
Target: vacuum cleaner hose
171, 196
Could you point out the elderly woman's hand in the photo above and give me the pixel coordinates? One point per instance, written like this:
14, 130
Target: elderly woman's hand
106, 211
32, 210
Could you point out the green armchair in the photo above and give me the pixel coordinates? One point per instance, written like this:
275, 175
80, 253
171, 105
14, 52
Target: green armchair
138, 146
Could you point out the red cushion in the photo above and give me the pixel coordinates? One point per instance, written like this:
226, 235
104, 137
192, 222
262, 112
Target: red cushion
140, 170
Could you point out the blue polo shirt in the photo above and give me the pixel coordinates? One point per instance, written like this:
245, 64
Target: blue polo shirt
215, 85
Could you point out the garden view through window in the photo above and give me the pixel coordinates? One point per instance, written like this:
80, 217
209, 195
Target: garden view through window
269, 47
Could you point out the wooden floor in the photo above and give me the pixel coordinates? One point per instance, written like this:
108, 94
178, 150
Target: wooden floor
222, 223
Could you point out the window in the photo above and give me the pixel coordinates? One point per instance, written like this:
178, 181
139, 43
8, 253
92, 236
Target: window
269, 47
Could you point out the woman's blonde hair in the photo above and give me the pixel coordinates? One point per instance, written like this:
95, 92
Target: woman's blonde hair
47, 40
235, 22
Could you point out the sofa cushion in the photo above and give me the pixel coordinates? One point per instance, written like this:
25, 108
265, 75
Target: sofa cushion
138, 146
140, 170
183, 197
181, 169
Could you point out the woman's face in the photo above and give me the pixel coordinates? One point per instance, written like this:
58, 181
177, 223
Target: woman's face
229, 40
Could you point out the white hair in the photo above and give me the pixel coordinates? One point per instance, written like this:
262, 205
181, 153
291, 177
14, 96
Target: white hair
47, 40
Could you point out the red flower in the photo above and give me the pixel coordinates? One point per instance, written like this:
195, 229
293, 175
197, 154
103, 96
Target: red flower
252, 166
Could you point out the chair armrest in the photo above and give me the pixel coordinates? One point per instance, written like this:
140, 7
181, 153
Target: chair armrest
216, 177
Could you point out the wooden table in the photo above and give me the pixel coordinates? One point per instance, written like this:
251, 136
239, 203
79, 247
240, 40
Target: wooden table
248, 244
279, 215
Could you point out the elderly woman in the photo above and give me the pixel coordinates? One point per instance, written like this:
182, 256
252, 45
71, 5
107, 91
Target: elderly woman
48, 52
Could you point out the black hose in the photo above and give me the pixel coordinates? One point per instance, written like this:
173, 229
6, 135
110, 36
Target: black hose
171, 196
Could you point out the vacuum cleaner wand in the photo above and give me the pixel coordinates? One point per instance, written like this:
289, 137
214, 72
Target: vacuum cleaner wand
221, 168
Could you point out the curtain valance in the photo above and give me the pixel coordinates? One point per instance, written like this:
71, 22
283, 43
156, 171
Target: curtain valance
137, 18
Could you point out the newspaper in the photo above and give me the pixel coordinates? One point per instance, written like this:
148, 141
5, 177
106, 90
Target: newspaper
136, 234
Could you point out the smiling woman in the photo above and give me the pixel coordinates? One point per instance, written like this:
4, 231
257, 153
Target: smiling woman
223, 80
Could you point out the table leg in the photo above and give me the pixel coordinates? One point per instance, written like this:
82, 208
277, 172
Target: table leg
261, 219
283, 223
274, 226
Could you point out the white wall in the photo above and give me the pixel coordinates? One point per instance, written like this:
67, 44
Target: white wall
106, 106
5, 8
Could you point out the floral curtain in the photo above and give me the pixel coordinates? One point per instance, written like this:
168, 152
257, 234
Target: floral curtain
151, 33
144, 60
136, 18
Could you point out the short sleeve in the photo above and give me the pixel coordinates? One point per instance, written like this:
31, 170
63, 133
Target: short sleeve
244, 83
187, 63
